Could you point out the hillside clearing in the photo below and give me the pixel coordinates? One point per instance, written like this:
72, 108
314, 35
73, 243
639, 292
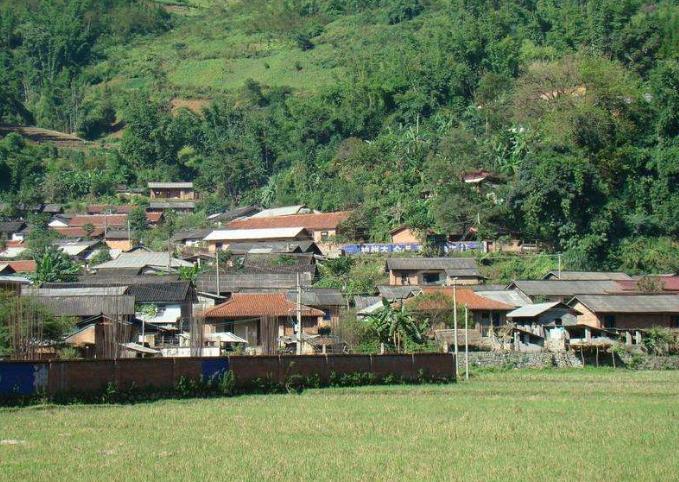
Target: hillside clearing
528, 425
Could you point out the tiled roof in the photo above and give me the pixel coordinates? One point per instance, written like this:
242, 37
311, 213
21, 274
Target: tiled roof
629, 303
309, 221
566, 288
140, 259
274, 247
319, 297
234, 282
103, 208
10, 227
668, 283
587, 275
98, 220
258, 304
418, 263
22, 266
78, 232
172, 204
465, 297
154, 218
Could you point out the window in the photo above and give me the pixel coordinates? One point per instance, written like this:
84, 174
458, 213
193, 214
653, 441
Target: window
431, 278
558, 322
327, 316
324, 235
674, 321
404, 279
609, 321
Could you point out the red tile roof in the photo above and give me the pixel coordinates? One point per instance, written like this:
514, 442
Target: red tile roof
22, 266
154, 217
315, 221
465, 297
98, 220
102, 208
669, 283
243, 305
78, 232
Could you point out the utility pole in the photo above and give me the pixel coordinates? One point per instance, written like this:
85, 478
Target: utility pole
455, 322
299, 316
217, 271
466, 343
129, 238
559, 257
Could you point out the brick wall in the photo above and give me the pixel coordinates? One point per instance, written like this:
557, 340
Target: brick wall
93, 376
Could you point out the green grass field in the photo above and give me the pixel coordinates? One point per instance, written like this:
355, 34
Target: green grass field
520, 425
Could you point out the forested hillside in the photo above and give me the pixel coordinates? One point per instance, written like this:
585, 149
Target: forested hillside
377, 105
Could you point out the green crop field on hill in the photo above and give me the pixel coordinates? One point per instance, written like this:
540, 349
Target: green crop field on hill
518, 425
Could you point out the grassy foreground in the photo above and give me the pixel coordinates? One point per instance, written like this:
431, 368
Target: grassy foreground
520, 425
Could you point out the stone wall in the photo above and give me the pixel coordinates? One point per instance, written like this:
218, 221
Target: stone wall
521, 360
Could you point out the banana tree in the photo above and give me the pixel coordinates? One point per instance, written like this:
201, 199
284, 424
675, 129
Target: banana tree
393, 326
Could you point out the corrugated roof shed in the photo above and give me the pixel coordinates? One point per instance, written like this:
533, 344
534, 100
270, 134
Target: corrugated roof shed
509, 297
629, 303
530, 311
587, 275
417, 264
258, 304
565, 288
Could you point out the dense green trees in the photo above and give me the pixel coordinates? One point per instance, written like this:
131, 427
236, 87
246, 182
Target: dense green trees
573, 105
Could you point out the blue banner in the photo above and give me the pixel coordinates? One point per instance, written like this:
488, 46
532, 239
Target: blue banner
388, 248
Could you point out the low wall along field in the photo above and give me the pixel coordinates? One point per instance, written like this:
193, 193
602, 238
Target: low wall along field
52, 378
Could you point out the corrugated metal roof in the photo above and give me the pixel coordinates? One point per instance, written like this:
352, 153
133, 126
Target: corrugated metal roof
319, 297
529, 311
565, 288
170, 185
250, 234
191, 234
463, 273
88, 305
587, 275
234, 213
397, 292
170, 204
140, 259
361, 302
629, 303
274, 247
417, 263
282, 211
69, 290
9, 227
234, 282
510, 297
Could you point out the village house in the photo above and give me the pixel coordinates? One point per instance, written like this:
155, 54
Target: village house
404, 235
172, 190
329, 300
119, 241
221, 239
433, 271
627, 311
12, 230
80, 250
562, 290
261, 319
484, 313
248, 282
275, 247
321, 226
19, 267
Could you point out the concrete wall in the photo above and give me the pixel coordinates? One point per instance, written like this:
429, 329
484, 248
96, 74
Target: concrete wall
93, 376
404, 236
